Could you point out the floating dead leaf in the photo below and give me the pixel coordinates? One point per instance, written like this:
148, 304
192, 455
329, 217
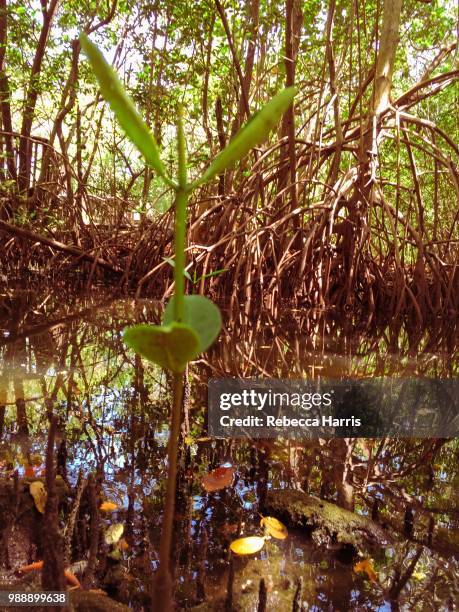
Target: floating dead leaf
114, 533
38, 492
108, 506
29, 471
247, 546
275, 528
218, 479
366, 567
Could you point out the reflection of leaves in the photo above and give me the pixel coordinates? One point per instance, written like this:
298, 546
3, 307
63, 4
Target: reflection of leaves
113, 492
275, 528
247, 546
114, 533
419, 575
218, 479
108, 506
366, 567
38, 492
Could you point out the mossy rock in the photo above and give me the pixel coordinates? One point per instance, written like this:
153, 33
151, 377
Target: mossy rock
328, 524
279, 573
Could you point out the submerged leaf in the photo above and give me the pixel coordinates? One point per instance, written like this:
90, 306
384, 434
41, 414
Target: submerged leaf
199, 313
38, 492
366, 567
254, 132
123, 545
126, 113
108, 506
218, 479
114, 533
247, 546
275, 528
170, 346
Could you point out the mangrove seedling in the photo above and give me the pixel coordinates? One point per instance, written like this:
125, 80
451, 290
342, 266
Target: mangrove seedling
190, 322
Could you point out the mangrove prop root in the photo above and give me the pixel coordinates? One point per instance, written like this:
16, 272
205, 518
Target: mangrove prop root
53, 578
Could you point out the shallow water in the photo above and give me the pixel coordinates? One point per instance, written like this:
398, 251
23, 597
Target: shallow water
67, 355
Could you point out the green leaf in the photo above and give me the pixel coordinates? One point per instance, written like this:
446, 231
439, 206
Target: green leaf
170, 346
209, 275
201, 315
126, 113
254, 132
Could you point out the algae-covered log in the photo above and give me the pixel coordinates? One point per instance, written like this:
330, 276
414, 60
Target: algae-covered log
327, 523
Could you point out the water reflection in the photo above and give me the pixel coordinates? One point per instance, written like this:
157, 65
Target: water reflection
66, 357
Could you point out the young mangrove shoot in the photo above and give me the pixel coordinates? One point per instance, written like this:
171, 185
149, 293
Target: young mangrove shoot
190, 323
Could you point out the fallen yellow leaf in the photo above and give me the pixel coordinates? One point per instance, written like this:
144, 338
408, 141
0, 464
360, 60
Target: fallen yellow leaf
275, 528
366, 567
247, 546
38, 492
114, 533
